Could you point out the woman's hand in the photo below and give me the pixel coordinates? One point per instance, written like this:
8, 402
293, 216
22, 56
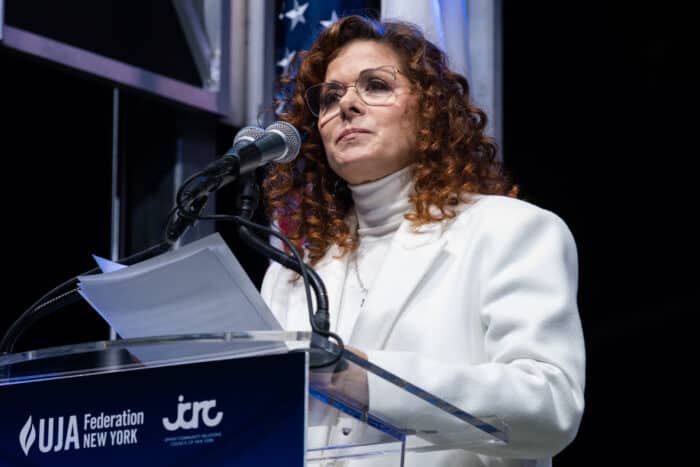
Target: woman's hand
350, 383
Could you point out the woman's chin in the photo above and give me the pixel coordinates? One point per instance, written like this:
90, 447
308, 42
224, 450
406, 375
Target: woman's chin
352, 170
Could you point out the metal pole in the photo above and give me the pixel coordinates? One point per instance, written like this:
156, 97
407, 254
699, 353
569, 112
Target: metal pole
2, 17
116, 206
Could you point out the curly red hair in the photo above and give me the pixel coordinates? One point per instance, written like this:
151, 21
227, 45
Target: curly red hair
454, 155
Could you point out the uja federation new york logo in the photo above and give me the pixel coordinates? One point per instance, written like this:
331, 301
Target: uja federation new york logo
27, 435
63, 433
66, 434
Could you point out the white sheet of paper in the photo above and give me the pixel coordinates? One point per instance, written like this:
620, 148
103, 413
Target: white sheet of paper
199, 288
106, 265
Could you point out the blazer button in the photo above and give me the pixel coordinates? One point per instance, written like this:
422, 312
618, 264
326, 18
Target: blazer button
346, 430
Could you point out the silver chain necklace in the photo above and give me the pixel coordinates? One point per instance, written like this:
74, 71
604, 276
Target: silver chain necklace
365, 290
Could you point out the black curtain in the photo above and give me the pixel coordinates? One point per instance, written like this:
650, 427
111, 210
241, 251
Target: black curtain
597, 128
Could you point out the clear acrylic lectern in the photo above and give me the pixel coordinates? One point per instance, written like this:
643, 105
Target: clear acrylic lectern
338, 425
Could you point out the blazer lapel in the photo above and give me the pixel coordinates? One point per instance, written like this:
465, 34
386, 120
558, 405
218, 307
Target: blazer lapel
410, 256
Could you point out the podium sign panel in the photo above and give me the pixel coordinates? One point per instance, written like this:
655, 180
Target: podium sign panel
230, 412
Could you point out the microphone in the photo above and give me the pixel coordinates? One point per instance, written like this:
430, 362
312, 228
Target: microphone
252, 147
280, 143
194, 204
244, 137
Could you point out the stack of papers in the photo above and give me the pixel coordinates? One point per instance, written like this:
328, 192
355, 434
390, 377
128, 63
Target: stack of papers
199, 288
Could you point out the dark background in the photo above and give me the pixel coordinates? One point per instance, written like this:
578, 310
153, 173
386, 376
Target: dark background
596, 125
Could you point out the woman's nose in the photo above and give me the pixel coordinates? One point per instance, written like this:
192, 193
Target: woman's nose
351, 103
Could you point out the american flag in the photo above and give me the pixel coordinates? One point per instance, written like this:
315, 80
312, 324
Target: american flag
468, 31
299, 23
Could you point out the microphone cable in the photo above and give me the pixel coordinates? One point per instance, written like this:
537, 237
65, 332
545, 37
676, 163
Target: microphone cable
298, 261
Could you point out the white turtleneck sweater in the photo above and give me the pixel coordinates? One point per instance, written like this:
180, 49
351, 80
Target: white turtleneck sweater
380, 207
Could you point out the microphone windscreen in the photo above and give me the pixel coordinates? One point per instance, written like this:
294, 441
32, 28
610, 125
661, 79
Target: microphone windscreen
248, 134
291, 137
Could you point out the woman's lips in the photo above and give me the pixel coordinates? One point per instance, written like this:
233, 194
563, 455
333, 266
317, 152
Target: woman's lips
350, 132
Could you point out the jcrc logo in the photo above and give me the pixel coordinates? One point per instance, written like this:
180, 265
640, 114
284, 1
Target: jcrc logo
66, 434
199, 410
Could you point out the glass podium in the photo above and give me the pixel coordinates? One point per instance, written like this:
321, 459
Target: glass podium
339, 423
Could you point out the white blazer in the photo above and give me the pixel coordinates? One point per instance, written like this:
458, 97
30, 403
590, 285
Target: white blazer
479, 310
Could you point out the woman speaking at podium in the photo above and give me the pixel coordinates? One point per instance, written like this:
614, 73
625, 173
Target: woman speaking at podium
435, 270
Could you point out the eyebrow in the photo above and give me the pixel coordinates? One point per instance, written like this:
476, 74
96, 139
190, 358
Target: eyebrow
335, 81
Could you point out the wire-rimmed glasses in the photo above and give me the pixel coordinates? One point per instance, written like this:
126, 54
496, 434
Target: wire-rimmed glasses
374, 86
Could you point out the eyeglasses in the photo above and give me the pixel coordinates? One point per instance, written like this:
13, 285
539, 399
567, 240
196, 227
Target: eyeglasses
374, 86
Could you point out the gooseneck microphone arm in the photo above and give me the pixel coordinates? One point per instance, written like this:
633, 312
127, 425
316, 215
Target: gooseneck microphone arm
61, 296
191, 198
323, 354
280, 142
248, 201
252, 147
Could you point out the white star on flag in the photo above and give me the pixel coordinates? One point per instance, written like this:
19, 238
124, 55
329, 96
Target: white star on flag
334, 19
296, 14
280, 107
287, 60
